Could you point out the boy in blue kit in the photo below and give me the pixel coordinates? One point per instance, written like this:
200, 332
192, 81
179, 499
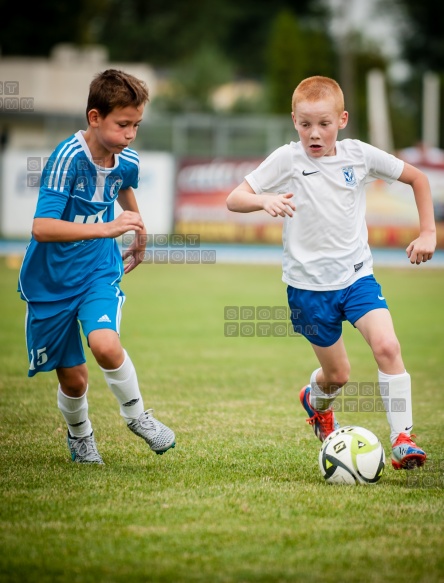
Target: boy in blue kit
72, 266
318, 186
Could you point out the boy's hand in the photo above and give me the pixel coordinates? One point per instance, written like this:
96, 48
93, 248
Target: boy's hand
279, 205
135, 252
130, 221
421, 249
126, 221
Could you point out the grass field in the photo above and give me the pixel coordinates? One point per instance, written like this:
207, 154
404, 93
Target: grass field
240, 498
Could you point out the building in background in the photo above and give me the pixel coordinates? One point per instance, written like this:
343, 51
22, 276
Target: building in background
42, 97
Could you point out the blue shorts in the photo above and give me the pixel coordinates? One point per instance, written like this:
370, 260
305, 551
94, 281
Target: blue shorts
319, 315
53, 328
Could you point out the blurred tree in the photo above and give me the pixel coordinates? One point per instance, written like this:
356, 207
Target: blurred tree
200, 43
247, 34
422, 46
294, 52
162, 34
192, 81
287, 61
149, 31
422, 38
34, 29
405, 115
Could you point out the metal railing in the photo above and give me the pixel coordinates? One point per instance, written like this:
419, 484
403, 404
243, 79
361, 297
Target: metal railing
191, 135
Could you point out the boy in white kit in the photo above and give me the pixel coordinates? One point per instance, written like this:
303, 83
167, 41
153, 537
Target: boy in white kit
318, 185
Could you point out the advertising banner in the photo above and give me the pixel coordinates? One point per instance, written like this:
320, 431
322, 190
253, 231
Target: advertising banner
203, 186
201, 192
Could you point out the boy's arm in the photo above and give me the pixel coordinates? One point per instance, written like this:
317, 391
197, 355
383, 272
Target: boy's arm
243, 199
421, 249
136, 251
47, 230
127, 200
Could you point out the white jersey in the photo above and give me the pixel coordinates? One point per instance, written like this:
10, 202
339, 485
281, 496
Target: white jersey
326, 240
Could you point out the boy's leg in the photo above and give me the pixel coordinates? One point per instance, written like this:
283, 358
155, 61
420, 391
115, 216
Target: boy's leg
72, 400
326, 382
73, 404
52, 336
325, 385
122, 380
395, 386
318, 317
100, 316
54, 343
118, 370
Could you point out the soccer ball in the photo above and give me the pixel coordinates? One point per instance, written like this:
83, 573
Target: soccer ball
352, 455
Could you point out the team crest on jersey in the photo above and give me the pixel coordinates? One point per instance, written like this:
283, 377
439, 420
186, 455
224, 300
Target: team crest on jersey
80, 184
349, 175
115, 187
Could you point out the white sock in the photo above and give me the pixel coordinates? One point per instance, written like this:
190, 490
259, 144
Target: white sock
396, 393
123, 383
319, 400
75, 412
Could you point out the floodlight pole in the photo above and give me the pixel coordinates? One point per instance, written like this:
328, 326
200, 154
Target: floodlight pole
345, 39
430, 110
378, 111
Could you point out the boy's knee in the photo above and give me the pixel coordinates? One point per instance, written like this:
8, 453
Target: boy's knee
338, 376
340, 379
106, 349
108, 355
387, 349
73, 381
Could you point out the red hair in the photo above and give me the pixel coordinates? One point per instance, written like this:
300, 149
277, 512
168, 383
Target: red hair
317, 88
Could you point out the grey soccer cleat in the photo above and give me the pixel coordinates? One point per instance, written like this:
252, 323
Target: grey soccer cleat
84, 450
157, 435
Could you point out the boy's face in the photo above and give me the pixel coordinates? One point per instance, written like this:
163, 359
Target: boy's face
118, 129
318, 123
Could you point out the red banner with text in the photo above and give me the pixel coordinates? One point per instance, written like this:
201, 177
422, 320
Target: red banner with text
202, 188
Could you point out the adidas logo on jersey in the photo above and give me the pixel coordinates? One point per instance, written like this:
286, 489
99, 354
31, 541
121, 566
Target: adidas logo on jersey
104, 318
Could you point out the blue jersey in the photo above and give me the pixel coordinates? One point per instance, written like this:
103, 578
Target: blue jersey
73, 188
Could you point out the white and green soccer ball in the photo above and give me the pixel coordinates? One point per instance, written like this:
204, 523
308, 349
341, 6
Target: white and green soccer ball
352, 455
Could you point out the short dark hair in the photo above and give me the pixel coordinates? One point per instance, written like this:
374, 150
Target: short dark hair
113, 89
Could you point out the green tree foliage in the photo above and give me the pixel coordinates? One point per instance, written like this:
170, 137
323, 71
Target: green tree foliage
164, 33
192, 81
247, 34
34, 29
286, 61
294, 52
422, 45
423, 39
152, 31
200, 43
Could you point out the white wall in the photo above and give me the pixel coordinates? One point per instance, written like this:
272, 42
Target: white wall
61, 84
18, 198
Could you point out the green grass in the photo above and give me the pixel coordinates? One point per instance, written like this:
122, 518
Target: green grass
240, 498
